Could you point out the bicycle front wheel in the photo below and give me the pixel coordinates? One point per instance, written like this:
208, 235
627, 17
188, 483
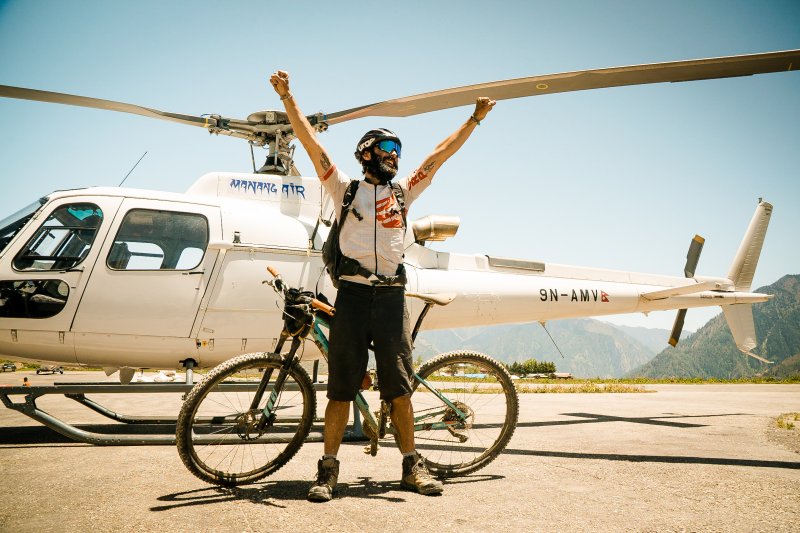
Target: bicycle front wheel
222, 437
470, 429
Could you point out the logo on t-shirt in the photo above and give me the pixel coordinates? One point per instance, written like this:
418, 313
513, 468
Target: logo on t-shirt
387, 212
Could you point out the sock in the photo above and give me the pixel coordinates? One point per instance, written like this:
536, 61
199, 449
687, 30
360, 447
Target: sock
409, 454
326, 456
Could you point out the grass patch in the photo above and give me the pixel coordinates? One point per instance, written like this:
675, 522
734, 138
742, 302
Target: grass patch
788, 421
584, 387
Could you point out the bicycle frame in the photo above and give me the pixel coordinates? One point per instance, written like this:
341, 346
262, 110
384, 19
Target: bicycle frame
362, 404
445, 420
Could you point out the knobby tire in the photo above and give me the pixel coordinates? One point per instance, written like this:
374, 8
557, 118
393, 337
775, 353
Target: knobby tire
215, 435
478, 385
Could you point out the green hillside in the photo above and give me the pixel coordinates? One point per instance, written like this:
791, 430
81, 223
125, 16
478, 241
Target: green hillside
711, 352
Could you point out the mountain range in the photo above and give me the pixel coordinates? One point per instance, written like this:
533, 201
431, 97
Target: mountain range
582, 347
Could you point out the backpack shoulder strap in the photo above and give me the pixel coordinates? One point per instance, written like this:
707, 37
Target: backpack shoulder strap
400, 197
347, 201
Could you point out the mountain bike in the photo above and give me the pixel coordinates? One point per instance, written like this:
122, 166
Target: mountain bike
251, 414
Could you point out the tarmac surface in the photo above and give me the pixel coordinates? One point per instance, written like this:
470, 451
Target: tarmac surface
681, 458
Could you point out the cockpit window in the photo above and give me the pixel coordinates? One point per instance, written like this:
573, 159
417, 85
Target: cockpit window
10, 226
159, 240
63, 241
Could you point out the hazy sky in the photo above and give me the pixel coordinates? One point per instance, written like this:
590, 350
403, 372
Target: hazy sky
616, 178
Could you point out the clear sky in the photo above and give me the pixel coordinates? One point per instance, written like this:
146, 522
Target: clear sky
616, 178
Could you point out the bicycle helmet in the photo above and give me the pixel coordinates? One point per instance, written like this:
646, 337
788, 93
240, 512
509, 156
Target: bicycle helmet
373, 136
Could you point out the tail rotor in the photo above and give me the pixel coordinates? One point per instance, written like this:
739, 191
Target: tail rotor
692, 257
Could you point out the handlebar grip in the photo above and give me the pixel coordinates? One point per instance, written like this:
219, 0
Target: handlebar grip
325, 308
272, 271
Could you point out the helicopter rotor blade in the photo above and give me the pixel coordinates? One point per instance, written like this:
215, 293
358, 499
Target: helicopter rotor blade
109, 105
675, 71
693, 256
677, 328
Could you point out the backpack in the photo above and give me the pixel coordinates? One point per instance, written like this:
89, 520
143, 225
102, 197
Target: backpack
331, 252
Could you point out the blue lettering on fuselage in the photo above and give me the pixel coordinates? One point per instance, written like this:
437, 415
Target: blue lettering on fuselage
265, 187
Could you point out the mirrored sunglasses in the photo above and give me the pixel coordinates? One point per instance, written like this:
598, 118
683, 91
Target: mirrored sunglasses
389, 146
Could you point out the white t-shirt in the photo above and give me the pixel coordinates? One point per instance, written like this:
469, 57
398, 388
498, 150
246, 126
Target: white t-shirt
373, 234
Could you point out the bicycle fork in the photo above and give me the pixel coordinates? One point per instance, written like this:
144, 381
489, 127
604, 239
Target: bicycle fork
267, 418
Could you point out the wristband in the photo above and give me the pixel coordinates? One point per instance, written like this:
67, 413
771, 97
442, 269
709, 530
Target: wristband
478, 122
286, 96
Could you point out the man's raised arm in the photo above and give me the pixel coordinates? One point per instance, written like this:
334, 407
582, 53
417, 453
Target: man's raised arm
302, 128
454, 142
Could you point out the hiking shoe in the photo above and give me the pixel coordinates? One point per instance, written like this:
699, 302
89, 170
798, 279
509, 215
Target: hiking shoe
416, 477
327, 476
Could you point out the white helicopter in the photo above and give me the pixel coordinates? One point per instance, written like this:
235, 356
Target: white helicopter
128, 279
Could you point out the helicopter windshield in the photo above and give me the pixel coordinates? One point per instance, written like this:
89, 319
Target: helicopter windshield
11, 225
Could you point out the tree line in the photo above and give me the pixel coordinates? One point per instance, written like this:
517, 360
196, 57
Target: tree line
531, 366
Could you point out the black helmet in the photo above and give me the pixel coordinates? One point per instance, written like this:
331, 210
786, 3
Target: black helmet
373, 136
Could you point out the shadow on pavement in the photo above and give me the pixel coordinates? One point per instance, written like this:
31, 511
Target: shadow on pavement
658, 458
272, 492
588, 418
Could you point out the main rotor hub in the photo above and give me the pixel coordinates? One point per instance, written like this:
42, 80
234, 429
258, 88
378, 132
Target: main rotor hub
271, 129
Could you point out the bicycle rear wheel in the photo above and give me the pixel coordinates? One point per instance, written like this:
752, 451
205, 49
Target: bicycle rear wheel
478, 387
217, 435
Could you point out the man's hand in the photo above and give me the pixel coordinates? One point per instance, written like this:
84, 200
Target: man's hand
300, 125
280, 82
482, 107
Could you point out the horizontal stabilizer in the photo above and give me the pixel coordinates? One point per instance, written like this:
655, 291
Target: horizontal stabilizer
740, 321
680, 291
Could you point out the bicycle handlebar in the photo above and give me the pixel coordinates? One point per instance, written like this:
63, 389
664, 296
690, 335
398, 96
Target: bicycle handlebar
325, 308
316, 304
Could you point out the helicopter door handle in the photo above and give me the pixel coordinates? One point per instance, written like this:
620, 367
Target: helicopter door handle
194, 272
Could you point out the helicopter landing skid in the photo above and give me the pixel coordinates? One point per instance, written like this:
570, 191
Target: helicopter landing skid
141, 430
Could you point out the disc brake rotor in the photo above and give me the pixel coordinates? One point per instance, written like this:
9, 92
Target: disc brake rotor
246, 425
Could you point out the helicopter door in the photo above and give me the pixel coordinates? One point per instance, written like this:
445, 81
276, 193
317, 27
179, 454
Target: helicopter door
46, 271
155, 265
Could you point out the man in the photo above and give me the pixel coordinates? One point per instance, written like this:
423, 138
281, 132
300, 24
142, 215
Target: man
370, 304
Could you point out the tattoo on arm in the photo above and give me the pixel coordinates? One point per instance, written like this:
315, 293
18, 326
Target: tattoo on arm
429, 166
324, 161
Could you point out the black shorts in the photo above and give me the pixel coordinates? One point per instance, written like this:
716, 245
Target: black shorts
367, 314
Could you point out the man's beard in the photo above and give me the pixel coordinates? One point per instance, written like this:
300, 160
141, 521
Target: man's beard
380, 169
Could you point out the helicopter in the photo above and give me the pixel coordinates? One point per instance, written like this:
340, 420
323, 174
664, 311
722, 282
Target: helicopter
128, 279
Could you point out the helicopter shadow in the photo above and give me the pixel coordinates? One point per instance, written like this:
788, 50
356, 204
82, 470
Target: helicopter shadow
668, 419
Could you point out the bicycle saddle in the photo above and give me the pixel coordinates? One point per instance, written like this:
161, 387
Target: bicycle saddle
442, 298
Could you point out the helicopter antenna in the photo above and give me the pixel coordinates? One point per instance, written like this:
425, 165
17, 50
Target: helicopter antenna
131, 170
553, 340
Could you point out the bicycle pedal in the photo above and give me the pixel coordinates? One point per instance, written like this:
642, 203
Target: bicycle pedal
371, 449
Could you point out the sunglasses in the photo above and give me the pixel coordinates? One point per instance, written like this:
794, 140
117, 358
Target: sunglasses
389, 146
